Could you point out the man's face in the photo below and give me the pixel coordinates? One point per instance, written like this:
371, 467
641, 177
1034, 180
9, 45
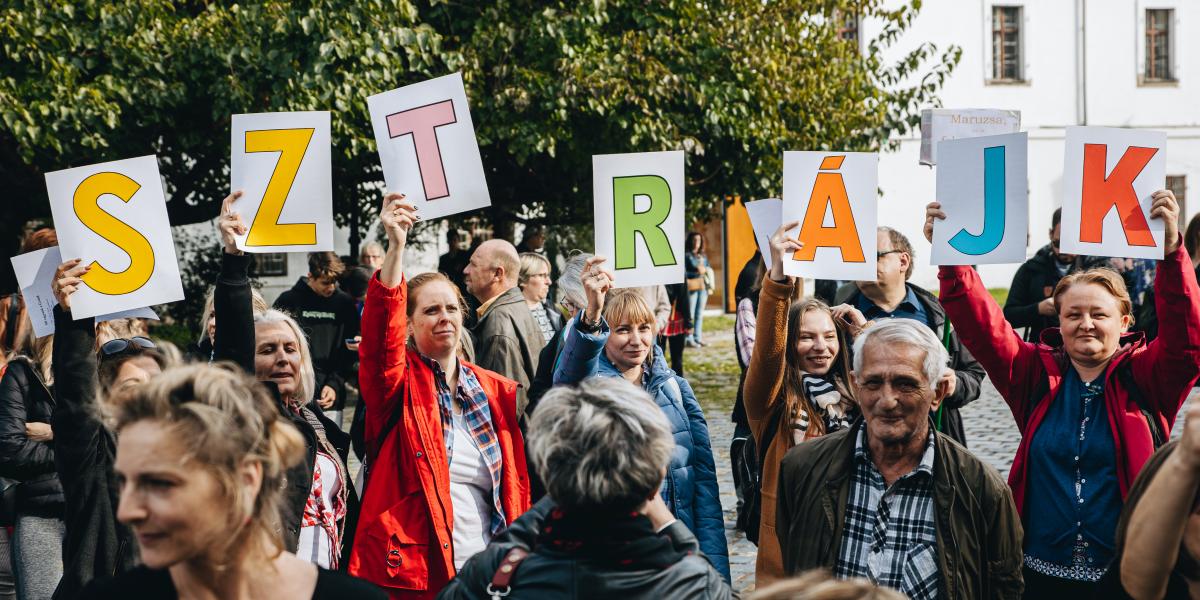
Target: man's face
1055, 238
323, 285
894, 393
479, 274
373, 258
890, 265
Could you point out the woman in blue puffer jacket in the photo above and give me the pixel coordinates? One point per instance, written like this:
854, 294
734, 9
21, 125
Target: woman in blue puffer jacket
615, 337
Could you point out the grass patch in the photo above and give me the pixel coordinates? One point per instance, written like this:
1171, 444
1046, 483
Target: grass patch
1000, 295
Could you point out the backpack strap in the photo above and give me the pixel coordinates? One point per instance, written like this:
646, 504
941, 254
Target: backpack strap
1125, 376
501, 584
769, 434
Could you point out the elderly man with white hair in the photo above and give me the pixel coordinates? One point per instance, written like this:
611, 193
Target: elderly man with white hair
603, 531
890, 498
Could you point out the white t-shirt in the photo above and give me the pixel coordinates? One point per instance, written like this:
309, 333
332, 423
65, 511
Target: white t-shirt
470, 495
315, 544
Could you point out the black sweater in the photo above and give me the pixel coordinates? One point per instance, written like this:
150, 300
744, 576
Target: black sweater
25, 398
328, 322
96, 545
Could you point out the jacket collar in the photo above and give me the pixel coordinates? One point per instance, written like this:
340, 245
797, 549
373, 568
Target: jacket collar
510, 296
656, 373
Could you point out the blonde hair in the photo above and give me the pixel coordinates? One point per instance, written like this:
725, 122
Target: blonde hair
258, 305
529, 262
308, 376
39, 350
628, 306
818, 585
112, 329
223, 418
1101, 276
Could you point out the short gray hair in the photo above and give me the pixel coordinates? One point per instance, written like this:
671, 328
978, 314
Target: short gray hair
908, 332
570, 283
604, 444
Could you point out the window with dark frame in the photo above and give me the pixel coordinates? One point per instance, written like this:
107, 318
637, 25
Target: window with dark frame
1178, 186
1158, 44
270, 265
1006, 43
847, 23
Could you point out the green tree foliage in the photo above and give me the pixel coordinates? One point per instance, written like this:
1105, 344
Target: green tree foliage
732, 82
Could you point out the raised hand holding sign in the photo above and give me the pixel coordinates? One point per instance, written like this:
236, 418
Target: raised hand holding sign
114, 215
833, 196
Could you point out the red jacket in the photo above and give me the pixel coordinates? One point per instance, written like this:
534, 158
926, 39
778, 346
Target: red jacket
1163, 370
403, 542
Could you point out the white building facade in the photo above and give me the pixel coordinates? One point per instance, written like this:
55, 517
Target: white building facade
1112, 63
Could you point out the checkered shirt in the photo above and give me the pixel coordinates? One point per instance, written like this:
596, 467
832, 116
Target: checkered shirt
890, 535
478, 419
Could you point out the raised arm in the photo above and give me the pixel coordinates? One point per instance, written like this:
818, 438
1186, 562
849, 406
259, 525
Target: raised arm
1171, 362
587, 332
765, 373
232, 299
982, 329
76, 417
382, 351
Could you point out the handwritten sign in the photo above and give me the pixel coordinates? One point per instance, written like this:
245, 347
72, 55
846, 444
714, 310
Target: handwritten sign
941, 124
832, 194
427, 146
281, 162
114, 216
639, 206
1109, 176
982, 186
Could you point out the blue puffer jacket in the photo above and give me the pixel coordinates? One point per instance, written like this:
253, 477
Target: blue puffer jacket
690, 489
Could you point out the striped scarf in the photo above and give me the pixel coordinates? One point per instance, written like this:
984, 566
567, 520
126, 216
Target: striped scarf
821, 393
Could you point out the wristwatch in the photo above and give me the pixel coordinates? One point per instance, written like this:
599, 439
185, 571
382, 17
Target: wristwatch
588, 327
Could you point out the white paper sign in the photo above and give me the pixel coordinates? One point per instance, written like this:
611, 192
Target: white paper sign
281, 162
428, 148
1109, 176
983, 186
114, 216
765, 218
639, 216
832, 194
35, 273
941, 124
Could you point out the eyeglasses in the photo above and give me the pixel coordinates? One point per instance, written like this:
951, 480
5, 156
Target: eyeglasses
880, 255
120, 345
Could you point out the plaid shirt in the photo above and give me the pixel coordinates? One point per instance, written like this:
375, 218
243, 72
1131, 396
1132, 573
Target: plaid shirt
478, 418
890, 536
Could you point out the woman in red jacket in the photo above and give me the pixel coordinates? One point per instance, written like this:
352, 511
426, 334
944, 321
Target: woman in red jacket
1091, 400
447, 460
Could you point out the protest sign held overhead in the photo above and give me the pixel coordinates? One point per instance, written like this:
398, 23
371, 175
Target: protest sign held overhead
427, 146
639, 208
281, 162
983, 189
1109, 176
833, 195
114, 216
765, 218
942, 124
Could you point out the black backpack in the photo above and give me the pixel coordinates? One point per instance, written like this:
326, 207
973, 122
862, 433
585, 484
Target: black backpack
1125, 376
753, 456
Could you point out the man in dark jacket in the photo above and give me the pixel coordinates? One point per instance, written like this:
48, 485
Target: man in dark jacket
507, 337
892, 296
607, 535
1030, 301
890, 498
329, 317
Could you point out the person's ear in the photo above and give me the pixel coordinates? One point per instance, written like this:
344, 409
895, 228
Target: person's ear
940, 392
250, 476
905, 260
1126, 322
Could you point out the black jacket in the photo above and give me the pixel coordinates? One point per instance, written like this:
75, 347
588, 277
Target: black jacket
96, 545
547, 573
969, 372
1034, 282
328, 323
681, 305
24, 398
234, 341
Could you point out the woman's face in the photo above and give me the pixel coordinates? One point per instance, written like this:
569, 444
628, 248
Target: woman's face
537, 284
277, 357
1091, 322
436, 319
629, 344
177, 511
816, 342
694, 243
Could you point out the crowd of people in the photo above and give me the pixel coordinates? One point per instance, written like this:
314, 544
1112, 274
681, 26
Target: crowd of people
522, 433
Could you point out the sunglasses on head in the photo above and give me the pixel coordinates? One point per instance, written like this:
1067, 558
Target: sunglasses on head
120, 345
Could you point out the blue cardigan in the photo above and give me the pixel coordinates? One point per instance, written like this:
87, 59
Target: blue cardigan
690, 489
